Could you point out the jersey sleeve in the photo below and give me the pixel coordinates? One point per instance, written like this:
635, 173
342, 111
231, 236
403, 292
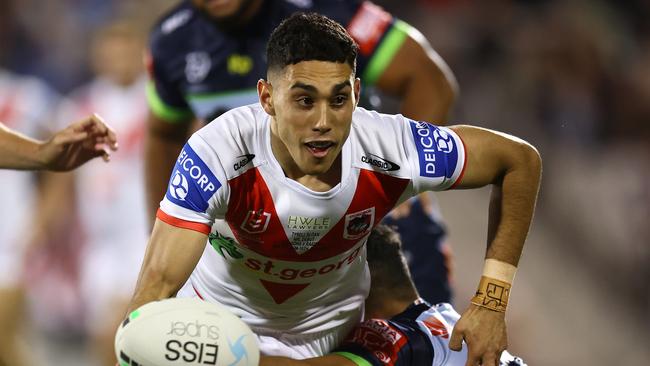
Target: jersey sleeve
196, 194
374, 342
165, 99
379, 36
436, 156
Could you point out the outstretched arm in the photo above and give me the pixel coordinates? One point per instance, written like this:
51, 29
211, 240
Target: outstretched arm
66, 150
513, 167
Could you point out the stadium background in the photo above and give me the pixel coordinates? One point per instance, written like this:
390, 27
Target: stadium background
572, 77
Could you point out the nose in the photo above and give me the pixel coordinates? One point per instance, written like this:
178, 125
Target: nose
323, 122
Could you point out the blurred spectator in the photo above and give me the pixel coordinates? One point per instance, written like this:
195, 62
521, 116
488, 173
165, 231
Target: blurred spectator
109, 198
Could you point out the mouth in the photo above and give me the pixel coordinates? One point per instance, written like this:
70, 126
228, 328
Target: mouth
319, 149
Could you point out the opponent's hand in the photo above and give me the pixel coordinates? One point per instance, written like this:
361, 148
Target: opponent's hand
485, 333
78, 143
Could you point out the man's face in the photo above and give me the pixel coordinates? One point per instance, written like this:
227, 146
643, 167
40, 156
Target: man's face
311, 105
220, 9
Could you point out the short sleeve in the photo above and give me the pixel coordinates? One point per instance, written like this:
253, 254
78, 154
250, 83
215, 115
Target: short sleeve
436, 154
196, 194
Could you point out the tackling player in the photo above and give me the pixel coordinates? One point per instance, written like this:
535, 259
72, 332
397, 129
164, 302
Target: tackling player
298, 194
415, 333
206, 58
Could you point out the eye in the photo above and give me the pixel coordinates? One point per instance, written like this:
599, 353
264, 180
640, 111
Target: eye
305, 101
339, 100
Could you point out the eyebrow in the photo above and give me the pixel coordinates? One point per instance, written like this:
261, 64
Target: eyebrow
310, 88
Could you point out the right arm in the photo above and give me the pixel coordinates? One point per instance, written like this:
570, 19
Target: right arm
172, 254
164, 142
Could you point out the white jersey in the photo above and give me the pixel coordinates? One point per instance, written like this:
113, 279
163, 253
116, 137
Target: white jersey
25, 106
286, 258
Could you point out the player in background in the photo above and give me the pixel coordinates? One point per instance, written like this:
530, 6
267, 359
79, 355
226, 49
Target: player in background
401, 328
206, 58
109, 199
298, 201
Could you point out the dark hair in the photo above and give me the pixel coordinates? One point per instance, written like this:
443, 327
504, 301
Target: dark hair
389, 273
310, 37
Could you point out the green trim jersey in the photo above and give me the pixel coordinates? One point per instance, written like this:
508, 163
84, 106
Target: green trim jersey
198, 69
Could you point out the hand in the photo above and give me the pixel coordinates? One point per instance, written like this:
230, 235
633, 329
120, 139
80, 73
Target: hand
78, 143
484, 332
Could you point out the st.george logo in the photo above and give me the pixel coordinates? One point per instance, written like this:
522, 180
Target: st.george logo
178, 187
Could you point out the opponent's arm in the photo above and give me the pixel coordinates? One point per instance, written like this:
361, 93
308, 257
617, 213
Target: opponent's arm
172, 254
164, 142
328, 360
65, 150
420, 78
513, 167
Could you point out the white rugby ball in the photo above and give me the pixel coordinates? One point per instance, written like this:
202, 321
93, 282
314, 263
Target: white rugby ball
185, 331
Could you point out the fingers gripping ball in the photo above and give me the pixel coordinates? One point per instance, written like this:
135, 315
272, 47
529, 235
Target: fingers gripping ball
183, 331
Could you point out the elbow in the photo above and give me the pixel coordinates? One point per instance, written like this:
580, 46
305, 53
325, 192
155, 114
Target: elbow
531, 159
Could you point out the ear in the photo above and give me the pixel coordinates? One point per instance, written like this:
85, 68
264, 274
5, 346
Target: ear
265, 93
357, 90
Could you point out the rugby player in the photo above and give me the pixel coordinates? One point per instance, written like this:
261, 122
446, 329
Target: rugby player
298, 201
67, 149
415, 333
206, 58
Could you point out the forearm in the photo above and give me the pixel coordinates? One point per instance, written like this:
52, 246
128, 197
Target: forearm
512, 204
18, 151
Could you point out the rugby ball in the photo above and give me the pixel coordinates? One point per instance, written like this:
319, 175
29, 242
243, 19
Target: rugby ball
185, 331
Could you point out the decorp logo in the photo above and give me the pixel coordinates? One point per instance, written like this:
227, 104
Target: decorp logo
436, 148
192, 184
178, 186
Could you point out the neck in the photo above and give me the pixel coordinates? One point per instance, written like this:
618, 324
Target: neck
386, 309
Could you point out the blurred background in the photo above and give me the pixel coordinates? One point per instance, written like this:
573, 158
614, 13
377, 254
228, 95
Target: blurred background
572, 77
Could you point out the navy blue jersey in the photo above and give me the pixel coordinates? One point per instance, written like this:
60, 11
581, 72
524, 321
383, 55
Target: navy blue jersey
199, 70
419, 336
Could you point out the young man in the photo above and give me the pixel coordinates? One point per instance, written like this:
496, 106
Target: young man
403, 329
294, 181
207, 56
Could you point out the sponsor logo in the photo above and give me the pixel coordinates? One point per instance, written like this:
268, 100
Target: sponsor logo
192, 183
238, 350
436, 327
239, 64
306, 231
196, 353
436, 149
197, 66
256, 222
194, 329
222, 243
288, 273
242, 160
178, 186
379, 162
359, 224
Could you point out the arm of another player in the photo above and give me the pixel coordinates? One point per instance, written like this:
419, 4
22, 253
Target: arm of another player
171, 256
66, 150
416, 74
514, 168
165, 139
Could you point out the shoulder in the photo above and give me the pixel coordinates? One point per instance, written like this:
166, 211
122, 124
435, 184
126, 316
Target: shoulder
173, 31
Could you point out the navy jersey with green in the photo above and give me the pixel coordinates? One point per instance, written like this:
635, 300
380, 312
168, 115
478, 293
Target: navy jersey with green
198, 69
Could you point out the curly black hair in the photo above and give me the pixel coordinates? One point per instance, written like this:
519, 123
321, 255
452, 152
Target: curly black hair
310, 37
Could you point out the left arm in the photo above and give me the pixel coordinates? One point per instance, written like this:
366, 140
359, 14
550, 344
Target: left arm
421, 79
66, 150
513, 167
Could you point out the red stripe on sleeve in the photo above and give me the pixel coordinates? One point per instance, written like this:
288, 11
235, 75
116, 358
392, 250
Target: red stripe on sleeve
190, 225
462, 172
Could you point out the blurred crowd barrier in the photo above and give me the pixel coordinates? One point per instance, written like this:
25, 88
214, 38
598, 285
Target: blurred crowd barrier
572, 77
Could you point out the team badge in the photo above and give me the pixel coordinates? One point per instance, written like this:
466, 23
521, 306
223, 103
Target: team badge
256, 222
197, 66
359, 224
